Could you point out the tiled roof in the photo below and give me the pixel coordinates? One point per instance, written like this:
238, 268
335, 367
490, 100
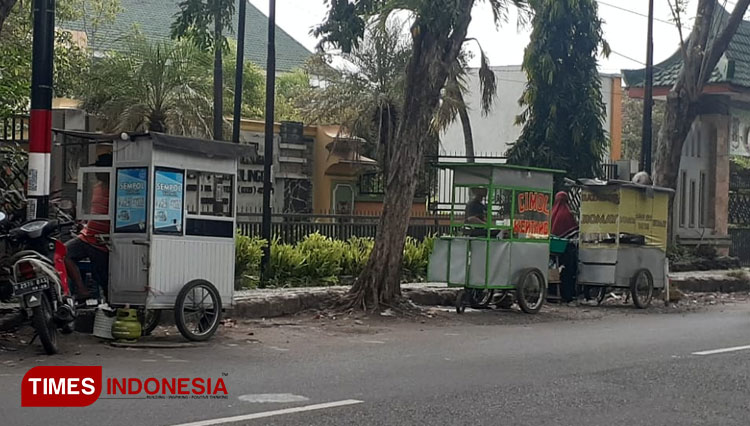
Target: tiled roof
154, 18
733, 67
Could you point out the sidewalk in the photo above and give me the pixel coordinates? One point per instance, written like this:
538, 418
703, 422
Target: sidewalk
271, 303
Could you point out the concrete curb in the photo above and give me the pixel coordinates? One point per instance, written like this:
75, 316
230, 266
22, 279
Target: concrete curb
713, 284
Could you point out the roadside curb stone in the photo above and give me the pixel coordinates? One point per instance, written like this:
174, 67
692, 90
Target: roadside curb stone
730, 281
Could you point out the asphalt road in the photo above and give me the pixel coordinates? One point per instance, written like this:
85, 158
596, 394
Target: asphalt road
619, 369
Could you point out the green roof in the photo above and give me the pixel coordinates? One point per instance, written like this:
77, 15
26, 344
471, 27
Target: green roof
154, 18
733, 67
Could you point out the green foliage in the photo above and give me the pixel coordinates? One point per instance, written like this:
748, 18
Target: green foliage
196, 22
319, 260
632, 126
564, 110
416, 259
742, 163
71, 61
151, 86
248, 252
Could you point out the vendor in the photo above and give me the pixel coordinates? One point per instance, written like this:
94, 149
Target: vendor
476, 210
564, 225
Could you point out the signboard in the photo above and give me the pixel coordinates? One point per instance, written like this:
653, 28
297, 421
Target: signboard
626, 211
131, 194
168, 200
532, 215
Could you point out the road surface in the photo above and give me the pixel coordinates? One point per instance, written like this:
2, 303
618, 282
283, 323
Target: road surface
620, 368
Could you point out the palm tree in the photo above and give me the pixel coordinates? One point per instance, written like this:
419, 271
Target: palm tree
159, 87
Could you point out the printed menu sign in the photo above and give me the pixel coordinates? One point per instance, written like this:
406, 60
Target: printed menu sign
132, 190
168, 201
532, 215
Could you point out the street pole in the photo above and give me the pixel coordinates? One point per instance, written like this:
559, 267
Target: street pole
238, 74
218, 89
268, 148
648, 93
40, 119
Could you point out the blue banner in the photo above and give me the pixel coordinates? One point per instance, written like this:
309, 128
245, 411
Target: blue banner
132, 190
168, 201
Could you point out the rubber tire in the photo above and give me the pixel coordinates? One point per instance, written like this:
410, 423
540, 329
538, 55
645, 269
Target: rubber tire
642, 304
178, 314
40, 322
519, 291
148, 327
460, 306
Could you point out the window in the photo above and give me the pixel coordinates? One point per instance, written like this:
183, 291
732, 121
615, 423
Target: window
209, 194
692, 203
169, 191
702, 201
698, 143
683, 198
501, 205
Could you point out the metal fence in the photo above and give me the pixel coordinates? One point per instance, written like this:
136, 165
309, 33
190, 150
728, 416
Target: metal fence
14, 129
293, 227
740, 247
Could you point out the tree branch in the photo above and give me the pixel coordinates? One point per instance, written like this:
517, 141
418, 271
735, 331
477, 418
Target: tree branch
721, 43
5, 7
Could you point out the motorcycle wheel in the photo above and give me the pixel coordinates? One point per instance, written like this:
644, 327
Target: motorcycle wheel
44, 325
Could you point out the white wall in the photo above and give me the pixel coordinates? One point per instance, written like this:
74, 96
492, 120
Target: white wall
493, 133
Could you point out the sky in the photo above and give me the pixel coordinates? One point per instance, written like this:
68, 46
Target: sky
625, 25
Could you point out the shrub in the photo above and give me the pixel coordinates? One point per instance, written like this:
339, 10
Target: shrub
319, 260
247, 255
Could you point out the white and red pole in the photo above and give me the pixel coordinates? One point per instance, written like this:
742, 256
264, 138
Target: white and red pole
40, 120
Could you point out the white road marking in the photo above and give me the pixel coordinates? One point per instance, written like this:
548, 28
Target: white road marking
261, 398
265, 414
276, 348
374, 342
723, 350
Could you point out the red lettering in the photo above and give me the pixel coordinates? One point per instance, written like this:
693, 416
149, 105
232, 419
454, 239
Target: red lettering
220, 387
154, 382
182, 385
521, 207
168, 385
138, 387
121, 386
198, 387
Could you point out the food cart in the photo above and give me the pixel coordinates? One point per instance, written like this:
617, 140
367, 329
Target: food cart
623, 238
509, 250
172, 224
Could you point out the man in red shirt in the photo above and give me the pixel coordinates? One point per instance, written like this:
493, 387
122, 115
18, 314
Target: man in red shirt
89, 244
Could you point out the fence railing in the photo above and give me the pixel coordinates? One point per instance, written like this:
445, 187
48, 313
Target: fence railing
740, 247
14, 129
293, 227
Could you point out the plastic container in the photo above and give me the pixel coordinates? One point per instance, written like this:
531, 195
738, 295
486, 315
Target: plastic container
103, 321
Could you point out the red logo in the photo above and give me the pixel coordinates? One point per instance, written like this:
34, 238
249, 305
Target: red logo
58, 386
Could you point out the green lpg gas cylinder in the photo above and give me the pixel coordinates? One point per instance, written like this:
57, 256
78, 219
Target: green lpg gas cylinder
126, 326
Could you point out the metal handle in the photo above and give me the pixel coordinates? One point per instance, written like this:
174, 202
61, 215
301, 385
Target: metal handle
142, 243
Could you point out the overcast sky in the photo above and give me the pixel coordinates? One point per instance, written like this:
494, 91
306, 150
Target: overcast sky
624, 29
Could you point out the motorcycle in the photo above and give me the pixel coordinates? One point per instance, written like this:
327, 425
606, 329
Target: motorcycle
35, 274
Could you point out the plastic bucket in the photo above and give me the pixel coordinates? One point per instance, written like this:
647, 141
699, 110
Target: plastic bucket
103, 321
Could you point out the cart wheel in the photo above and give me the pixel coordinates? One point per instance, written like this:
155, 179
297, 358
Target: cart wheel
149, 319
642, 288
197, 311
460, 306
531, 290
480, 298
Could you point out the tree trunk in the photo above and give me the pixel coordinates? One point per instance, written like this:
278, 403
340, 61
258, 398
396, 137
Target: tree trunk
463, 114
218, 76
5, 8
433, 53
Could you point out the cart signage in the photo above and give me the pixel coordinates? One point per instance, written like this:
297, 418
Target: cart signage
132, 190
531, 219
168, 200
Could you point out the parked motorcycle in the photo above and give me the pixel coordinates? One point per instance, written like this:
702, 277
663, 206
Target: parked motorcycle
33, 270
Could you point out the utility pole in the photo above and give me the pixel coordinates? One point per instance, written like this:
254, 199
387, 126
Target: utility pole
40, 120
218, 89
648, 93
238, 74
268, 148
